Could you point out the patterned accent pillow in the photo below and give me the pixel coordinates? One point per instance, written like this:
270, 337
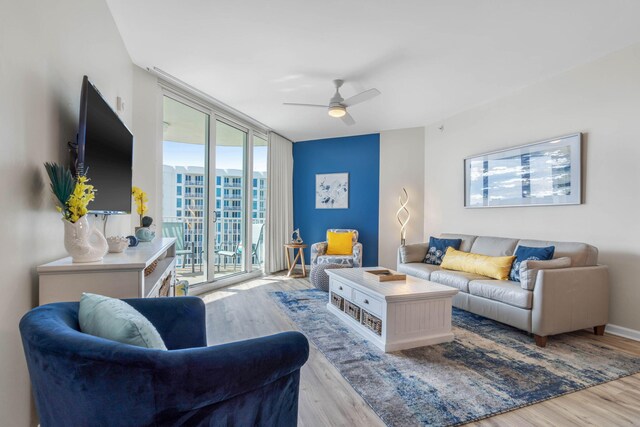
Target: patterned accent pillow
437, 249
525, 253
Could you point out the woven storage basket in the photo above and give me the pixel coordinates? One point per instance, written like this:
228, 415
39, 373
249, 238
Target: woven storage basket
151, 268
372, 322
352, 310
337, 301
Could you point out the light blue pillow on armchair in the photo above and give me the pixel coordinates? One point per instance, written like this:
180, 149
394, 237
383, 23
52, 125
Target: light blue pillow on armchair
115, 320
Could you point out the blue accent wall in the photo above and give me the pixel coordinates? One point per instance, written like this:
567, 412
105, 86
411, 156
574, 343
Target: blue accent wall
360, 157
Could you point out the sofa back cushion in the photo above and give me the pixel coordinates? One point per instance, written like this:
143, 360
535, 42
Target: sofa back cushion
581, 254
413, 253
494, 246
467, 240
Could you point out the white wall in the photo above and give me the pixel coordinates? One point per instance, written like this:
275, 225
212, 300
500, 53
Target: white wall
45, 49
401, 165
147, 153
601, 99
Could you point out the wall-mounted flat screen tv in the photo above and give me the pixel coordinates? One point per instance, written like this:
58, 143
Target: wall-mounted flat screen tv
105, 153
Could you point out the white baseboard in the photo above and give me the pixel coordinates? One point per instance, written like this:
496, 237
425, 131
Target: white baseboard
621, 331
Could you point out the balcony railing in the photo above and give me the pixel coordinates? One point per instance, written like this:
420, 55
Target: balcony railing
192, 263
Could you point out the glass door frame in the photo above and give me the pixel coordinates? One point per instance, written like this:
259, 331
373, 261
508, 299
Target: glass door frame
215, 115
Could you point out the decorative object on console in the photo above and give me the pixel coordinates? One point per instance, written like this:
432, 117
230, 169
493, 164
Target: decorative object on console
141, 199
81, 240
544, 173
495, 267
295, 237
437, 249
332, 191
525, 253
85, 243
133, 241
145, 233
403, 215
146, 221
117, 244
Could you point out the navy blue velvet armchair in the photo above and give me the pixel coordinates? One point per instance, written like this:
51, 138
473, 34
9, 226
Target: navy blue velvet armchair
82, 380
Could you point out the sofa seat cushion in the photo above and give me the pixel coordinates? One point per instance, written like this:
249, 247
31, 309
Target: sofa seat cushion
418, 269
455, 279
504, 291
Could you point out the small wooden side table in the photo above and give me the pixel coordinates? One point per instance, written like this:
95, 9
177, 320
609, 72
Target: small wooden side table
299, 256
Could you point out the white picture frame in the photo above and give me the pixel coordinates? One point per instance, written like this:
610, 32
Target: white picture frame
332, 191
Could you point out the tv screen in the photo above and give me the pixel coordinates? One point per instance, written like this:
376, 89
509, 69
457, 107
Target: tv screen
105, 153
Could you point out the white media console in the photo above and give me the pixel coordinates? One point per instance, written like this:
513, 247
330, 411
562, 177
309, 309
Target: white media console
117, 275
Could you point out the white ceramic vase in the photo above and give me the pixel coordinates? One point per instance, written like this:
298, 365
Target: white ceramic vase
84, 242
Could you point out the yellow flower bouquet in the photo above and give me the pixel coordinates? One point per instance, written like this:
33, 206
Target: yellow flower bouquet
72, 195
141, 199
82, 240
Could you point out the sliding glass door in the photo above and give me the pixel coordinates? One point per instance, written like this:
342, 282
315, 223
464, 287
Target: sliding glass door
214, 192
185, 149
230, 216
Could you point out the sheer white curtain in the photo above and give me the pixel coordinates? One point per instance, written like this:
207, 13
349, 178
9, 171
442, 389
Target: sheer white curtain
279, 222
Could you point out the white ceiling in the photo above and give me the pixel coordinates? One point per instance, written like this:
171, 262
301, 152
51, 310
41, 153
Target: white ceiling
430, 59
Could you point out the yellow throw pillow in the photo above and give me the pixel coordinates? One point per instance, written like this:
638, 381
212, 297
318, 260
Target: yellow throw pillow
339, 243
496, 267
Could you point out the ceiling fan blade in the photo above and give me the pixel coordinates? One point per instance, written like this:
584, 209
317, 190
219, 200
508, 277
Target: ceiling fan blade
295, 104
361, 97
348, 120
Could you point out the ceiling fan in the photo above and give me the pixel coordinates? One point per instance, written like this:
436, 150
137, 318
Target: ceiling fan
338, 106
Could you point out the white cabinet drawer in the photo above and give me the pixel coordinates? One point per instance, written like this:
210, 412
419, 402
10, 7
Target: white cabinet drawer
370, 304
341, 289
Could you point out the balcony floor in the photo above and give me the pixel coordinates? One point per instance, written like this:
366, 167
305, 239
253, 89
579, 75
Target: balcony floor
185, 273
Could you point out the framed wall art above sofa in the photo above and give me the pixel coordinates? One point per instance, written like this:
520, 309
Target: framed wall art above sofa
543, 173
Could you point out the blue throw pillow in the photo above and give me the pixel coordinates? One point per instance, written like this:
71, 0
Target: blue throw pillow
525, 253
437, 249
115, 320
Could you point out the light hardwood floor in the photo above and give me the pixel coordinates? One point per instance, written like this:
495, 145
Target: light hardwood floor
246, 310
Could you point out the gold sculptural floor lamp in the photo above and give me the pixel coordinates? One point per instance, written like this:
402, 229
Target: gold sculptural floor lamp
403, 215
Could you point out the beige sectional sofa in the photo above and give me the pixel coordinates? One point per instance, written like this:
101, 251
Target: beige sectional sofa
562, 300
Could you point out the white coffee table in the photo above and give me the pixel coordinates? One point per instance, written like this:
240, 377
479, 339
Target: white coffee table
392, 315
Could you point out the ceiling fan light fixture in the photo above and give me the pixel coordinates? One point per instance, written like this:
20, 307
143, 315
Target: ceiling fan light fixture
337, 111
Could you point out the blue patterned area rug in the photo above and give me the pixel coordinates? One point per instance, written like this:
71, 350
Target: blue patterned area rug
488, 369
